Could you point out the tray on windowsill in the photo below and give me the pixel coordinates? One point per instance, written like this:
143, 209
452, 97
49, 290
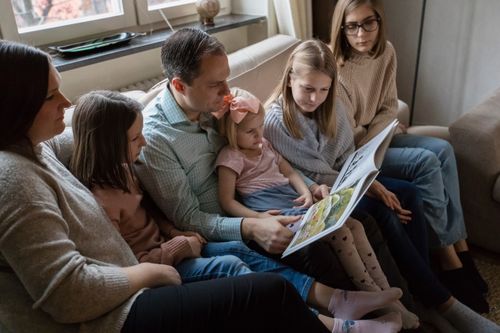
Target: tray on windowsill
94, 45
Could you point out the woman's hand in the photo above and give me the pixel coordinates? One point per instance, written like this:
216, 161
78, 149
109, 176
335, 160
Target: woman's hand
149, 275
378, 191
304, 201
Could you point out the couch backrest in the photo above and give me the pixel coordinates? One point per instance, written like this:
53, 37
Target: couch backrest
259, 67
256, 68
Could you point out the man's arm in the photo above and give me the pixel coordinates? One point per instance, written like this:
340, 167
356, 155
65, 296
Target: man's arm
167, 183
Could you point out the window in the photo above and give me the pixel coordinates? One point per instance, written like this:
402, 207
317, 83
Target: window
180, 10
40, 22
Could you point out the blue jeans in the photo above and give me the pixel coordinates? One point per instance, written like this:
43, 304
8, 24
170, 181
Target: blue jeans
429, 163
200, 269
257, 263
408, 242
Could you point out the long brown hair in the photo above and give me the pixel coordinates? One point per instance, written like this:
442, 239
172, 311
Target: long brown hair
24, 77
100, 124
312, 55
338, 41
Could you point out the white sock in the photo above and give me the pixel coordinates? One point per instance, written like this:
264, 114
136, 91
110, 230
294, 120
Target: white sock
467, 320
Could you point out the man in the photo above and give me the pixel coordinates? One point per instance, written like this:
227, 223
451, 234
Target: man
178, 165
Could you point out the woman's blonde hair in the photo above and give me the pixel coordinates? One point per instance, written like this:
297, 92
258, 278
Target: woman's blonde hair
227, 127
311, 55
338, 41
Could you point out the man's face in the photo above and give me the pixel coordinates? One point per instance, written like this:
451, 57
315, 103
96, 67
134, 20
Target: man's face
206, 92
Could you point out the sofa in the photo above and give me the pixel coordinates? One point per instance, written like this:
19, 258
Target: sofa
475, 137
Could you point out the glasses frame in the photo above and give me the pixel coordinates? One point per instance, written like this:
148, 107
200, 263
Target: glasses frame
361, 25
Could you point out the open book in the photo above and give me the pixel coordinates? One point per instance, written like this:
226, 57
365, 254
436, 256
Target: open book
357, 174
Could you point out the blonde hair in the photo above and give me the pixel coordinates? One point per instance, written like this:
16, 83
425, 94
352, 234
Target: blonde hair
312, 55
227, 127
338, 41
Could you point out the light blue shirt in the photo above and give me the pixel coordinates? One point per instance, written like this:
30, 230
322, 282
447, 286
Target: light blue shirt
177, 168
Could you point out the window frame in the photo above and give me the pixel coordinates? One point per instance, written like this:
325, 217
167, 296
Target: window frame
180, 11
65, 32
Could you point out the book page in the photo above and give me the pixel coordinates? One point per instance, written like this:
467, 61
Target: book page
365, 159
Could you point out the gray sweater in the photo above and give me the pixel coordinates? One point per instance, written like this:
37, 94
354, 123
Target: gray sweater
59, 256
315, 155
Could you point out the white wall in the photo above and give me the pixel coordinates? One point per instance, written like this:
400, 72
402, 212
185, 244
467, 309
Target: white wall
459, 56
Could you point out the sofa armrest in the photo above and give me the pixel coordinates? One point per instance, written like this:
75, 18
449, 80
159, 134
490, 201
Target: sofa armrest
441, 132
403, 114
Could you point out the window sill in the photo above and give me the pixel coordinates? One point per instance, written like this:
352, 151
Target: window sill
151, 41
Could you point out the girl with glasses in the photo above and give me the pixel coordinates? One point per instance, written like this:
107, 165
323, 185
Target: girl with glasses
367, 87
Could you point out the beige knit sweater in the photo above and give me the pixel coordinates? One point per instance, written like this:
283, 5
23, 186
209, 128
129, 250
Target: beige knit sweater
367, 87
59, 256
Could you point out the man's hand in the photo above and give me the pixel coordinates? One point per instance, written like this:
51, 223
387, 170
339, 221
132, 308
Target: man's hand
269, 213
270, 233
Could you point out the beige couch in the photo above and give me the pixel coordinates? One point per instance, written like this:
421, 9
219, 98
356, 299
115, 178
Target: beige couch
476, 140
475, 137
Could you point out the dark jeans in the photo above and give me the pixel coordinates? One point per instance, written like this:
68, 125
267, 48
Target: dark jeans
408, 242
259, 302
319, 261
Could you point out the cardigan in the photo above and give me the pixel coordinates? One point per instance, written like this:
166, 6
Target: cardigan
367, 87
60, 257
315, 155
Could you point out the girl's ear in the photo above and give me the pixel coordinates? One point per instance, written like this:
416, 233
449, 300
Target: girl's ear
178, 85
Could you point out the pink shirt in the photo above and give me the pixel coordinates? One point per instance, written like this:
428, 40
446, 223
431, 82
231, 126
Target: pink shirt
256, 173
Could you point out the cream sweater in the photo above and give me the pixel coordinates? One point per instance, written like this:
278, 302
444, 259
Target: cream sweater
367, 87
59, 255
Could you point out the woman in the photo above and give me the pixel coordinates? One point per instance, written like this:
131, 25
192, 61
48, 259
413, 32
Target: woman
64, 268
367, 86
302, 105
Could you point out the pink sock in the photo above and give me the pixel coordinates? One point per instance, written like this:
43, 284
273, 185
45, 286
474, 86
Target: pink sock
389, 323
355, 304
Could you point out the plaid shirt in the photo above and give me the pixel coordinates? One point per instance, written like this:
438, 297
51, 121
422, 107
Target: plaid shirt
177, 168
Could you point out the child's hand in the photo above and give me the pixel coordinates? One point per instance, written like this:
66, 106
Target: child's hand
305, 200
319, 191
195, 245
176, 232
269, 213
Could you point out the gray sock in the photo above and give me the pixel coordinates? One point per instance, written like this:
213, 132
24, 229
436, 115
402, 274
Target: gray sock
466, 320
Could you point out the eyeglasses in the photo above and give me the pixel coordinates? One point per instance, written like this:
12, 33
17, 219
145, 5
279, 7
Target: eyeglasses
369, 25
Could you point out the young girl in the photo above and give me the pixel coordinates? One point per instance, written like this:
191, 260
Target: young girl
108, 139
367, 77
307, 127
265, 183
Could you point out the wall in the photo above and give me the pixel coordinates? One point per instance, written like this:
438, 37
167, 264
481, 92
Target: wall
459, 63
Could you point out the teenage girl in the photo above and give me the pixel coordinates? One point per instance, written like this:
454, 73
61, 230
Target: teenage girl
312, 131
367, 86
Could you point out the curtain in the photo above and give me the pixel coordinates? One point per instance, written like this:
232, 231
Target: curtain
294, 18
